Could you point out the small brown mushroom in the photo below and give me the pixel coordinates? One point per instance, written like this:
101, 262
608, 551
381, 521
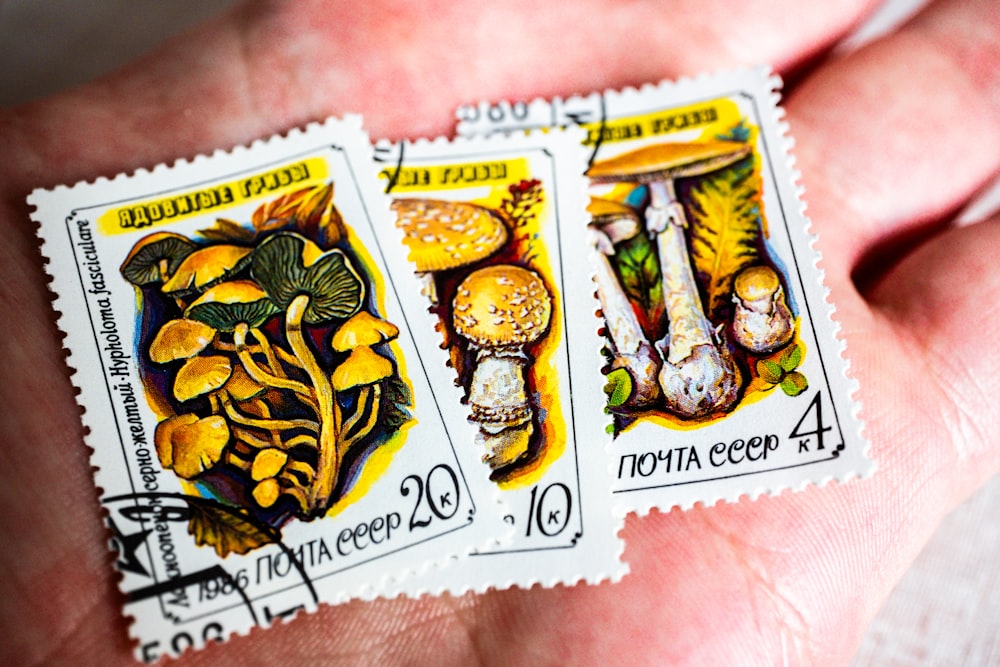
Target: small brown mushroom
612, 223
698, 376
443, 235
762, 322
500, 309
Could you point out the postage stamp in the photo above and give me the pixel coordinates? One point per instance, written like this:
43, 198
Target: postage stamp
495, 229
723, 369
258, 396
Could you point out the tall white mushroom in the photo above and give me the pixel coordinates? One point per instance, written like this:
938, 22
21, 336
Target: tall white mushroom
698, 376
499, 310
612, 223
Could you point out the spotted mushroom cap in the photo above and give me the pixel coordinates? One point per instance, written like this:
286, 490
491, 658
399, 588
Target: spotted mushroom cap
445, 235
669, 160
618, 221
502, 305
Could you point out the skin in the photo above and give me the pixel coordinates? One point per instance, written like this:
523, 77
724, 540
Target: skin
891, 141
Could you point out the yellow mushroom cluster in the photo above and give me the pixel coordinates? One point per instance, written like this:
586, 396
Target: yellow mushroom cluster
250, 388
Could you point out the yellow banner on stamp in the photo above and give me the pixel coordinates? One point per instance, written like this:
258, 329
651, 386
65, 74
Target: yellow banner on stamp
212, 199
456, 175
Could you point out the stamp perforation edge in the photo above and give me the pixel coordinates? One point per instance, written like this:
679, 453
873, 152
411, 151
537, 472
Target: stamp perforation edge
566, 146
505, 116
65, 299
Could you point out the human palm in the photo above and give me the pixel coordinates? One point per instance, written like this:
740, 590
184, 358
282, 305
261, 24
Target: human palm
892, 140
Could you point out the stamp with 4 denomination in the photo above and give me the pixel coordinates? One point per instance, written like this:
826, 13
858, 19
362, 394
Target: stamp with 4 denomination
724, 372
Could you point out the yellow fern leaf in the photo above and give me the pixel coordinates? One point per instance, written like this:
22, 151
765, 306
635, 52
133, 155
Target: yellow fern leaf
725, 233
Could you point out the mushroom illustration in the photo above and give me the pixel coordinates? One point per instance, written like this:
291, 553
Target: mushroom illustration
200, 375
612, 223
499, 310
313, 287
241, 307
190, 444
763, 321
155, 258
364, 368
204, 268
698, 376
444, 235
275, 473
180, 339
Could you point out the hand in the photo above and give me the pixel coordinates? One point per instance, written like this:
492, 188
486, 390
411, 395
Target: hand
890, 140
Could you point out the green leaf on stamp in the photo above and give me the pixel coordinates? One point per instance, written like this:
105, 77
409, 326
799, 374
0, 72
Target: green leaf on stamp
639, 271
794, 383
769, 371
227, 531
618, 387
791, 358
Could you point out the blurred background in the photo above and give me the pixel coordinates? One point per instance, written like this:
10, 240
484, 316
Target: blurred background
946, 610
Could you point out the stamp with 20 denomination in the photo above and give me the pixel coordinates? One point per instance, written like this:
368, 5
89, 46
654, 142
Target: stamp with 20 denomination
264, 433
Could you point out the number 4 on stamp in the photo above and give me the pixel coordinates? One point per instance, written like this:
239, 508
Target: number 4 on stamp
722, 367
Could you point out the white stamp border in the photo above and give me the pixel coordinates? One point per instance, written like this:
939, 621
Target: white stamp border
598, 558
53, 209
763, 87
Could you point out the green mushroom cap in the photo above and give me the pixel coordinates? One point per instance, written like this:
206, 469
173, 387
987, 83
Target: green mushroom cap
229, 304
287, 265
142, 266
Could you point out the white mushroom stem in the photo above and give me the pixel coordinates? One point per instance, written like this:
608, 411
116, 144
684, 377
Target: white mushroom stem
496, 395
765, 324
698, 376
632, 351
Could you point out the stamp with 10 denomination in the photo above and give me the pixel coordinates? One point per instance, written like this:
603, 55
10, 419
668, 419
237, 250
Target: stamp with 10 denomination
493, 227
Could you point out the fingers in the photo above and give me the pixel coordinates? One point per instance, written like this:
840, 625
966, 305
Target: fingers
896, 136
265, 67
944, 300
